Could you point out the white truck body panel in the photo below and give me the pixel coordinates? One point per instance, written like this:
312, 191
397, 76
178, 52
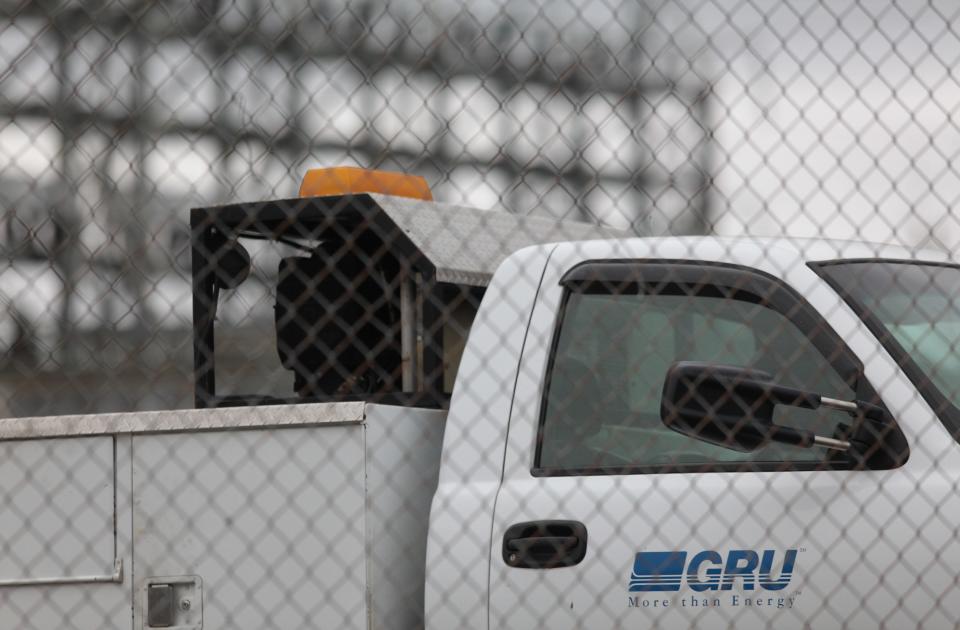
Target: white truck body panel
285, 516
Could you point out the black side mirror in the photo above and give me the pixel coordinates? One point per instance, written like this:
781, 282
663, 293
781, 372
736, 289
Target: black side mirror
733, 407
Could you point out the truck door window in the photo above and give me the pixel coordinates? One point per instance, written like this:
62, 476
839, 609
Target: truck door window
913, 308
616, 340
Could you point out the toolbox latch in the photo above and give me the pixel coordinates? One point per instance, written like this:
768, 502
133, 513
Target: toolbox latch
175, 603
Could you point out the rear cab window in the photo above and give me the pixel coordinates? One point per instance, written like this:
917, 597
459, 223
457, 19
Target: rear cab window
624, 323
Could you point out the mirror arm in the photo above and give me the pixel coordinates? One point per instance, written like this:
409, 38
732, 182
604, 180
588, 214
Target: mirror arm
837, 445
870, 411
840, 405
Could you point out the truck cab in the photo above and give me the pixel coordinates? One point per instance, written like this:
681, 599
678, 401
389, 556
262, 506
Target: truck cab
570, 503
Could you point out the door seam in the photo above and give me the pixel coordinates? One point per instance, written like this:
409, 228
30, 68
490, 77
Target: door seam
513, 394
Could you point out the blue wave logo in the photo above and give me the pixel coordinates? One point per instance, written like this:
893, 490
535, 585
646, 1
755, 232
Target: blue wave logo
658, 571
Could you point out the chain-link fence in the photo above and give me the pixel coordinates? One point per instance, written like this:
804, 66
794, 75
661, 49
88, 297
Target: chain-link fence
474, 399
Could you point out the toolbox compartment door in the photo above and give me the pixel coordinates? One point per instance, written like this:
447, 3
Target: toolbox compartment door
268, 523
57, 520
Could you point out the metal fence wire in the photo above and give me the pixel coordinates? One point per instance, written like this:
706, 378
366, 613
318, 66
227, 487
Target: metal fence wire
657, 326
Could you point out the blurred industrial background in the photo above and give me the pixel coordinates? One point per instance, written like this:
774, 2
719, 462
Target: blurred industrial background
837, 119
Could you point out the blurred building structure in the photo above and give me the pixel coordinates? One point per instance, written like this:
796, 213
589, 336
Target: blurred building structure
118, 116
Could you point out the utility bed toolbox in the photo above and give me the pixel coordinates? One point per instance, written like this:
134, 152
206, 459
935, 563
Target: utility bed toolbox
292, 516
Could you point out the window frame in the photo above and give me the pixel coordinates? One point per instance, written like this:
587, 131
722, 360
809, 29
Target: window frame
633, 276
943, 408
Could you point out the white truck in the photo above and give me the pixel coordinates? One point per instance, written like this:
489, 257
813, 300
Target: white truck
642, 432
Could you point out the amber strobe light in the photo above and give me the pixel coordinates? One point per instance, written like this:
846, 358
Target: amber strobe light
345, 180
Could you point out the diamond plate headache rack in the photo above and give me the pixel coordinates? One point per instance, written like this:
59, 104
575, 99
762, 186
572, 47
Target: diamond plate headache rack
442, 257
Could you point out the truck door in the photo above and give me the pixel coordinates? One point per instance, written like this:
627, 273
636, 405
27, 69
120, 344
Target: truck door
606, 518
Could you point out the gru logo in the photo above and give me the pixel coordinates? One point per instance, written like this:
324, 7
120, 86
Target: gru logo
710, 571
